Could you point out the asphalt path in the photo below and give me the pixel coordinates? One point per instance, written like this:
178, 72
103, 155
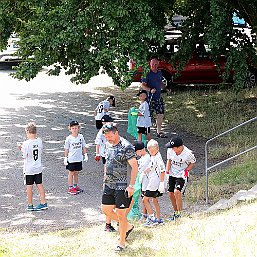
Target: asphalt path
52, 102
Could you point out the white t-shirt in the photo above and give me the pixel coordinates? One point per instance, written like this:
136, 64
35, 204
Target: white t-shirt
180, 162
144, 121
157, 166
100, 109
32, 151
143, 163
75, 147
102, 142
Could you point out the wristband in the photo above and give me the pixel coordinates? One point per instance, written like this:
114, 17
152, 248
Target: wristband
131, 186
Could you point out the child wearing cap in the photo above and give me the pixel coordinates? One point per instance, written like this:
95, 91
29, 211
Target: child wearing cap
74, 149
100, 148
143, 120
103, 109
143, 163
180, 160
155, 186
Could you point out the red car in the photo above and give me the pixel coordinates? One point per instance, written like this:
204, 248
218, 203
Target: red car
199, 70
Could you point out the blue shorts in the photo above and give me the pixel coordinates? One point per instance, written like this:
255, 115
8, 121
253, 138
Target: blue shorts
156, 106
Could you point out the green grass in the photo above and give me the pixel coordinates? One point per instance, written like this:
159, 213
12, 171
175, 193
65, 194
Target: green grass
226, 234
209, 112
224, 183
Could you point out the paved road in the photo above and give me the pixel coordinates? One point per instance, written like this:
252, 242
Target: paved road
52, 102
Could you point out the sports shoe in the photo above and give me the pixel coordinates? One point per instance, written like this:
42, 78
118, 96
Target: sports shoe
72, 191
109, 228
78, 189
151, 222
160, 222
30, 207
41, 207
174, 217
143, 217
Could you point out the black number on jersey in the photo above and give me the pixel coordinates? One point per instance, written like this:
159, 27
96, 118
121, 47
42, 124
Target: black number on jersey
35, 154
100, 108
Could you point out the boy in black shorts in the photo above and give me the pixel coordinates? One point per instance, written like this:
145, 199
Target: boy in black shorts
32, 150
155, 187
74, 148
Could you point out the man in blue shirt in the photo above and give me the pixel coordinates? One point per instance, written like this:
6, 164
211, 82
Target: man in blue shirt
153, 84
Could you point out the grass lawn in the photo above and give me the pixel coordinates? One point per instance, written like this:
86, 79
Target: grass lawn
230, 233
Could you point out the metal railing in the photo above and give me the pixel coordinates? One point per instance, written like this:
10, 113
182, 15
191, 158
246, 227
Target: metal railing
228, 159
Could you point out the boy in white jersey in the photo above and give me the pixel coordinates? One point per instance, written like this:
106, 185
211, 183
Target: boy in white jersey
143, 120
74, 148
155, 186
143, 163
32, 150
103, 109
180, 160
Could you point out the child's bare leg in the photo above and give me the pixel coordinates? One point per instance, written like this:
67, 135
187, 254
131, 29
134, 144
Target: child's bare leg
30, 194
70, 178
75, 177
157, 208
173, 201
178, 197
42, 193
139, 137
148, 136
146, 202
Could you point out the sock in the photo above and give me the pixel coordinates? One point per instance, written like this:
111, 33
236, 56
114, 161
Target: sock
152, 216
75, 185
177, 212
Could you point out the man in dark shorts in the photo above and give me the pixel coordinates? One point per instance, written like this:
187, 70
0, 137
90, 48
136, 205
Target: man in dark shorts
153, 84
118, 188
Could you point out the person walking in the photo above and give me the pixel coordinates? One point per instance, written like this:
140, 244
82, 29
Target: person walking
100, 152
152, 83
180, 161
155, 187
32, 150
118, 187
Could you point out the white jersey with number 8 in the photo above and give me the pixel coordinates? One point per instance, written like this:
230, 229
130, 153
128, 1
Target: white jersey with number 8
32, 151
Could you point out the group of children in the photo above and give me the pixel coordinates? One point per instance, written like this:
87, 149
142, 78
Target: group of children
153, 174
152, 171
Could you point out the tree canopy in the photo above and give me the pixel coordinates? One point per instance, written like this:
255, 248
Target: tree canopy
83, 36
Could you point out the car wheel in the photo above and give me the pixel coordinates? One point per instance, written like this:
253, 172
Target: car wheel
250, 79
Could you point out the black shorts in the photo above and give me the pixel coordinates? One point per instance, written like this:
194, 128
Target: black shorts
74, 166
143, 130
98, 124
31, 179
103, 160
177, 183
115, 197
156, 106
152, 194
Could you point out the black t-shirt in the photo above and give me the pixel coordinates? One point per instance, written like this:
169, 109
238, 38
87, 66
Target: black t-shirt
117, 164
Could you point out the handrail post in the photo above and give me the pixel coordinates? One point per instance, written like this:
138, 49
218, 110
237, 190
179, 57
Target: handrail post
206, 173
